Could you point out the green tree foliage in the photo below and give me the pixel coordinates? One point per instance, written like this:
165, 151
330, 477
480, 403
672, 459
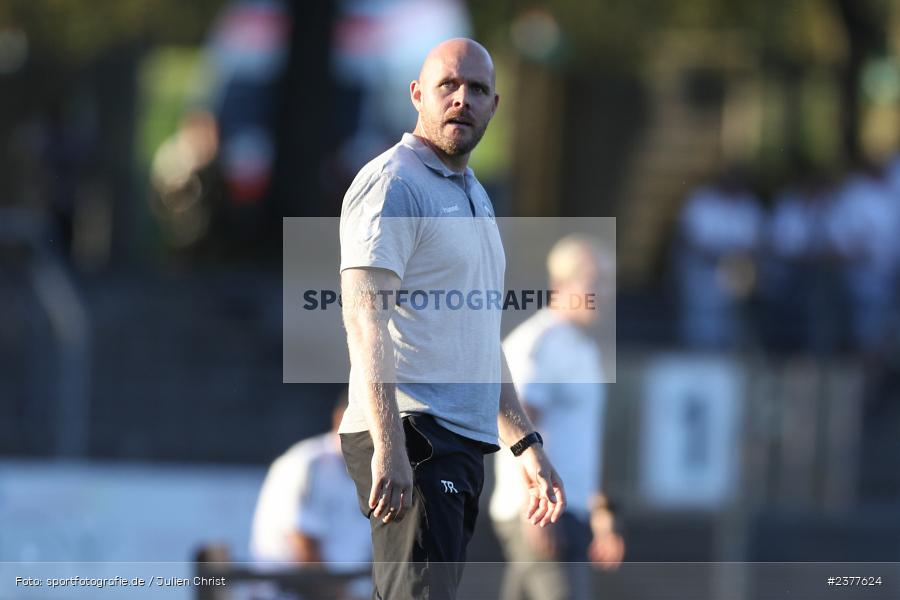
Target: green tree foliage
621, 32
76, 31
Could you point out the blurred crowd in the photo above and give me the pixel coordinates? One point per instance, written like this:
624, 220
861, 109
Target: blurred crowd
817, 271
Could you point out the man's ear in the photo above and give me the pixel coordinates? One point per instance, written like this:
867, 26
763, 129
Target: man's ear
415, 94
496, 103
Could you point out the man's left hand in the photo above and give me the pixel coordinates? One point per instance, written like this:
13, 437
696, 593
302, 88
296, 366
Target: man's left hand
547, 496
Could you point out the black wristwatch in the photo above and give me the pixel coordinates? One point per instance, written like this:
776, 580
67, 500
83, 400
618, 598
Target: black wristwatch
526, 442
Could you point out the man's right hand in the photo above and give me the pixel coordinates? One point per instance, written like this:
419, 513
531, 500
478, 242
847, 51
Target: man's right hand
392, 480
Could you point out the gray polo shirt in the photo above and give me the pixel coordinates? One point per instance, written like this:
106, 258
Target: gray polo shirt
408, 212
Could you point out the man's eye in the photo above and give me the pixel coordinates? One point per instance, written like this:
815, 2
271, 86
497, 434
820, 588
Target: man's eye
446, 84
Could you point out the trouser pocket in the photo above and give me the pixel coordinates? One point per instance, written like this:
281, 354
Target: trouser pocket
357, 449
418, 447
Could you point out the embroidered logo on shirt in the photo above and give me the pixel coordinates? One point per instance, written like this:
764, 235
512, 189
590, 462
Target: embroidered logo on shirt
450, 209
449, 487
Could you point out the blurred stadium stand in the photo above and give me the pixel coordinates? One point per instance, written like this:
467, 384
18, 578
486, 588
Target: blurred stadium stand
181, 367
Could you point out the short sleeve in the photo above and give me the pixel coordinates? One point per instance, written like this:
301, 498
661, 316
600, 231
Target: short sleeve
536, 373
379, 224
312, 508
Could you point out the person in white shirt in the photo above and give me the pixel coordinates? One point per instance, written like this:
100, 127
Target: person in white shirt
797, 288
557, 371
720, 232
307, 510
862, 230
892, 176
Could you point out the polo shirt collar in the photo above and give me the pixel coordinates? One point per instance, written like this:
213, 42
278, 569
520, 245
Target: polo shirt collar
429, 158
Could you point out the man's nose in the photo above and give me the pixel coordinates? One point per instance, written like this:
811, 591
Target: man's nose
461, 97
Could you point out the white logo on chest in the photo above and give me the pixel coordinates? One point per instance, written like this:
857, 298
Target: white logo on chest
449, 487
450, 209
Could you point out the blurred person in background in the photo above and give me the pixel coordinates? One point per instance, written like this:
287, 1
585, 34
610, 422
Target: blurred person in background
797, 277
863, 231
53, 154
892, 178
307, 512
415, 448
557, 370
186, 179
720, 233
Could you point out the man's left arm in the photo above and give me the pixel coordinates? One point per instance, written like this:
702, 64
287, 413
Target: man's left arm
547, 497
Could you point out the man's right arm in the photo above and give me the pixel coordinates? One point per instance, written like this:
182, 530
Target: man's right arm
368, 298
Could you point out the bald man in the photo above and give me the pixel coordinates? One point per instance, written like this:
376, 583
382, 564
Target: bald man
427, 391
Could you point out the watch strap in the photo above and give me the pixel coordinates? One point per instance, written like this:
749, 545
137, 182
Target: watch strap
526, 442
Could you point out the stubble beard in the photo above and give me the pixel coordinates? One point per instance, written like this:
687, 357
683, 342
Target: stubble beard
455, 147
